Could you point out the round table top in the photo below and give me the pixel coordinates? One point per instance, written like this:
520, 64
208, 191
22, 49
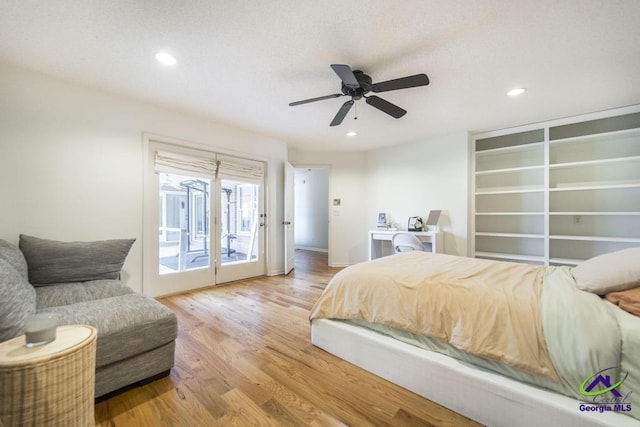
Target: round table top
68, 339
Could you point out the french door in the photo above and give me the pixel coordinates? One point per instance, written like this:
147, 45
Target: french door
240, 229
204, 219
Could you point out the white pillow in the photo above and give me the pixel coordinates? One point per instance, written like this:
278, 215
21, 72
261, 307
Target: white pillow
615, 271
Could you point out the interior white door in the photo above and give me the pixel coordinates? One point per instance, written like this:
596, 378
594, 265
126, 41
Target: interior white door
289, 203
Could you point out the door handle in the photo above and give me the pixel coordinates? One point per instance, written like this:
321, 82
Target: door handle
286, 222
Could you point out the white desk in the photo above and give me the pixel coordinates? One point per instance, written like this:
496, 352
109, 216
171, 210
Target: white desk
432, 241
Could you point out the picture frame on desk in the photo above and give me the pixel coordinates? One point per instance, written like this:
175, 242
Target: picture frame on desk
382, 221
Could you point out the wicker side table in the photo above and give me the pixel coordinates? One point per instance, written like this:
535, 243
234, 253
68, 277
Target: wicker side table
49, 385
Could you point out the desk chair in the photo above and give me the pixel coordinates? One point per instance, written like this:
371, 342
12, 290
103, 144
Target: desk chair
404, 242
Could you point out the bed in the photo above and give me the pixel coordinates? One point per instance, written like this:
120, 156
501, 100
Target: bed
501, 343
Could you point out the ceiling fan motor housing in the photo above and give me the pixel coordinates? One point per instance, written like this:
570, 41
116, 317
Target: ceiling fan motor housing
365, 85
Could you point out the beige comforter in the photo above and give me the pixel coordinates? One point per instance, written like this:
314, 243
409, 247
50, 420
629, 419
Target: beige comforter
490, 309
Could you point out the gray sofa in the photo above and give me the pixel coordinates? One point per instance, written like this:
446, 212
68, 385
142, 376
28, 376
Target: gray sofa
79, 283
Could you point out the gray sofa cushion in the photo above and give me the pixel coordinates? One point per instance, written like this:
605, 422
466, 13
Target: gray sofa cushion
51, 261
17, 301
127, 325
73, 293
13, 255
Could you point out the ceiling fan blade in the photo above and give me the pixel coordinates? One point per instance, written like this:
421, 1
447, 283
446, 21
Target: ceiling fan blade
401, 83
346, 75
342, 112
320, 98
385, 106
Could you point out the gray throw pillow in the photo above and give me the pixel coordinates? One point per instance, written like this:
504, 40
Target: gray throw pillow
12, 254
17, 301
51, 261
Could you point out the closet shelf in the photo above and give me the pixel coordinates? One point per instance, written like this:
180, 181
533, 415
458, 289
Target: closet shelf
534, 146
595, 238
509, 191
602, 213
565, 261
510, 170
594, 162
596, 187
511, 213
514, 257
514, 235
596, 136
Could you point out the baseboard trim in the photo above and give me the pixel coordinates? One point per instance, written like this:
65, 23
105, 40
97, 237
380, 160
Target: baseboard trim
309, 248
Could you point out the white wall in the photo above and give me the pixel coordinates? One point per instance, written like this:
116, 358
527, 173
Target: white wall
71, 161
311, 218
412, 179
347, 182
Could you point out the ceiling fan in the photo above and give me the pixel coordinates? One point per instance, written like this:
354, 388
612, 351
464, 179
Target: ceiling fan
357, 85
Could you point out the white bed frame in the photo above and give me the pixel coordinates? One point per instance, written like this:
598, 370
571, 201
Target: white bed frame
484, 396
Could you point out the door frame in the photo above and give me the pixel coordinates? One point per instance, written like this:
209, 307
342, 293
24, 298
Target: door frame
327, 167
289, 217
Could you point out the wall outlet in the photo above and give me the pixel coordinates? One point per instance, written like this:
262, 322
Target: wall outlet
576, 219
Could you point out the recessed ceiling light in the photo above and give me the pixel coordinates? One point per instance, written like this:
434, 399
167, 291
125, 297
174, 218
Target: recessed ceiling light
516, 91
165, 58
352, 133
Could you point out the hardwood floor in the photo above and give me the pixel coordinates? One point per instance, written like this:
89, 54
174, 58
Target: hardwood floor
244, 357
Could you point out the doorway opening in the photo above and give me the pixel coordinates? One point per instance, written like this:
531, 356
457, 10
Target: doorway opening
311, 209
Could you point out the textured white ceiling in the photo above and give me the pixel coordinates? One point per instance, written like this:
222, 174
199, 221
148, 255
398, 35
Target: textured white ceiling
242, 62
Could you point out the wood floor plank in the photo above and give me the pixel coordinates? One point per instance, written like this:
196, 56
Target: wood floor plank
284, 401
244, 357
244, 411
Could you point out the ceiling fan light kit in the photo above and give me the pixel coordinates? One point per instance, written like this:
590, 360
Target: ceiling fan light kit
356, 84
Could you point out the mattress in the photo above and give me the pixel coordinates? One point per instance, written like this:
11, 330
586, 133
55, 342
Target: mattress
594, 346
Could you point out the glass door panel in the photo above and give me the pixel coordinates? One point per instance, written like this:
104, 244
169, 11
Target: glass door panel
241, 230
239, 204
184, 213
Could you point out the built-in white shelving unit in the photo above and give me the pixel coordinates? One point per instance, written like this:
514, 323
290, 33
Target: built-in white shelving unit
560, 192
509, 179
